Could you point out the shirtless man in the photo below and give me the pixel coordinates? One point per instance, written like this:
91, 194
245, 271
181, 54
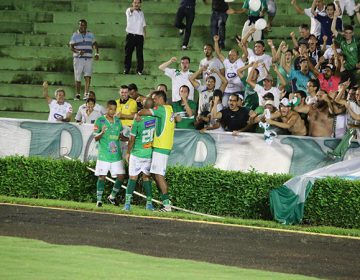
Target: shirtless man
290, 119
319, 115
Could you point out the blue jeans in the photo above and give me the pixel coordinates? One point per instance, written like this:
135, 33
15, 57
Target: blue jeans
217, 26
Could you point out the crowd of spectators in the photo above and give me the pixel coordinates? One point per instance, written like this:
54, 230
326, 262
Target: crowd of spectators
307, 85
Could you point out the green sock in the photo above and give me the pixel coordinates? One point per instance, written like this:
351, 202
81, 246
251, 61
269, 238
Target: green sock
165, 199
148, 191
129, 190
116, 188
100, 185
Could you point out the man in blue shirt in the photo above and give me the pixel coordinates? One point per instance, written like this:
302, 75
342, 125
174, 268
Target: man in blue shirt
300, 78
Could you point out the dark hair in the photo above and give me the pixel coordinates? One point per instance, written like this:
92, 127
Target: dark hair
83, 21
257, 70
269, 96
132, 86
330, 4
304, 26
315, 83
111, 102
313, 36
209, 45
261, 42
212, 78
302, 93
236, 95
218, 92
185, 86
124, 87
161, 94
186, 57
90, 100
163, 85
348, 27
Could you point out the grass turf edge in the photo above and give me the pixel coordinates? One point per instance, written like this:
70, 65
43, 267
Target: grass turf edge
140, 211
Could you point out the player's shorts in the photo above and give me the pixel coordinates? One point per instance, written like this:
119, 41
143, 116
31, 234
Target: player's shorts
159, 163
138, 165
103, 167
82, 66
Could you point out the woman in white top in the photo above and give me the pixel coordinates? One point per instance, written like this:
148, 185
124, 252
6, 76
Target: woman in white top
88, 114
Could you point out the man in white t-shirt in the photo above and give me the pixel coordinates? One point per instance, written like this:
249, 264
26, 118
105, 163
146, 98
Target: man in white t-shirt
268, 85
231, 64
178, 77
211, 62
60, 111
136, 32
258, 54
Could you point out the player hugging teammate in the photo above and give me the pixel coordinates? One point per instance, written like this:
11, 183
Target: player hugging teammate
149, 147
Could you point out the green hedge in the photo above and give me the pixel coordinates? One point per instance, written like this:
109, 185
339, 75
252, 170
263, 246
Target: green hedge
332, 201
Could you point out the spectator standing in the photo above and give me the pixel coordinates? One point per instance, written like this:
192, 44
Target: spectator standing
268, 85
329, 82
350, 47
320, 115
232, 64
186, 10
206, 91
210, 62
218, 20
258, 54
315, 26
88, 114
99, 108
126, 107
233, 118
82, 44
178, 77
348, 6
253, 16
326, 22
136, 33
300, 78
184, 110
290, 119
60, 111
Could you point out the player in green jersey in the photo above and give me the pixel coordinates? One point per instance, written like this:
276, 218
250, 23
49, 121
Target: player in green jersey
139, 155
163, 142
107, 130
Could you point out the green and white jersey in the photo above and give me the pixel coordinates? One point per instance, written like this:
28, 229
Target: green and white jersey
143, 131
109, 149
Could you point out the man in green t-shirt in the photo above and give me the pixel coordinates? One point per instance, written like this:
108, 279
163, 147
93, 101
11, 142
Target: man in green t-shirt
107, 131
184, 109
139, 154
350, 48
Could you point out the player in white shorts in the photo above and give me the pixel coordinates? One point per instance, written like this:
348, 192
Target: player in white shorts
139, 154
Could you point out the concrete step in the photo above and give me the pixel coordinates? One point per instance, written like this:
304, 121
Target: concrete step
63, 55
25, 16
24, 115
67, 79
35, 91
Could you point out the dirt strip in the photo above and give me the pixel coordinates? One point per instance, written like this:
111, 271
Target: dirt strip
325, 257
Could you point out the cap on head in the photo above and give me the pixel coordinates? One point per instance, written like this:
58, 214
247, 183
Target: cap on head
269, 78
330, 66
285, 102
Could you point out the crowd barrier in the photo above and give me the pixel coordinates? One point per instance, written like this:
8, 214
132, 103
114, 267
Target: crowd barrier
247, 151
